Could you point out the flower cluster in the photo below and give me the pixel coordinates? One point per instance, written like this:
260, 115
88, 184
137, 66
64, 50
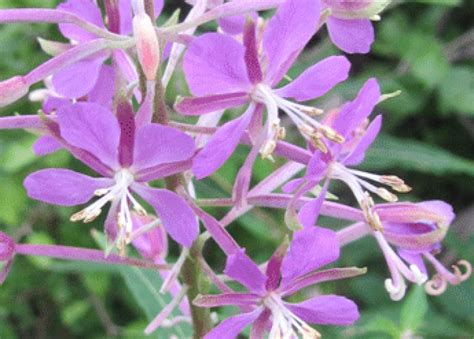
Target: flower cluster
103, 102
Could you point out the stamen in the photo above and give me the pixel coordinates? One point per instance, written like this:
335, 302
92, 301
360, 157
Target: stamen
370, 215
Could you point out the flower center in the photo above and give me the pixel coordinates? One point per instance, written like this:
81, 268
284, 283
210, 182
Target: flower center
116, 194
286, 324
301, 115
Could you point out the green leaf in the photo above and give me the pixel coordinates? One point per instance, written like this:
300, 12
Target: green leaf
389, 152
438, 2
414, 309
456, 91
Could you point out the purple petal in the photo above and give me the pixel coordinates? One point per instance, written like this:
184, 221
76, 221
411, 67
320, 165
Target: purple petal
63, 187
261, 324
292, 185
357, 155
413, 258
126, 120
309, 213
176, 216
216, 300
318, 79
290, 29
153, 245
273, 270
211, 103
84, 9
254, 71
351, 36
46, 145
231, 327
92, 128
217, 57
241, 268
310, 249
356, 111
77, 80
234, 25
103, 91
156, 144
221, 145
53, 103
326, 310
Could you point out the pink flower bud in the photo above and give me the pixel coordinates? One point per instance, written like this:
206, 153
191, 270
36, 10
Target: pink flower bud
148, 48
356, 9
12, 89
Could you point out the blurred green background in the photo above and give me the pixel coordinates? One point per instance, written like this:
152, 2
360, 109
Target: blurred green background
424, 48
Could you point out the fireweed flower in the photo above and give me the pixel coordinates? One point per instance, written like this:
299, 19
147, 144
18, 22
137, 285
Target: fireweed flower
126, 157
352, 125
248, 73
416, 231
285, 275
349, 25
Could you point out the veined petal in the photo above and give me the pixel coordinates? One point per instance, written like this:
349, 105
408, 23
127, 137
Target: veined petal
290, 29
317, 80
221, 145
351, 36
241, 268
78, 79
310, 249
237, 299
254, 71
156, 144
357, 155
176, 216
231, 327
92, 128
210, 103
86, 10
217, 57
63, 187
326, 310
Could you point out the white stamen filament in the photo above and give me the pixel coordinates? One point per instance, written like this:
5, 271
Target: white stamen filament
120, 192
286, 324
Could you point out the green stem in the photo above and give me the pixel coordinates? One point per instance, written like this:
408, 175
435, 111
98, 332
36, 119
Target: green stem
192, 275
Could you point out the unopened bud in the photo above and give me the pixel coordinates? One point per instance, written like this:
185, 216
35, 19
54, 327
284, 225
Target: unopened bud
148, 47
12, 89
361, 9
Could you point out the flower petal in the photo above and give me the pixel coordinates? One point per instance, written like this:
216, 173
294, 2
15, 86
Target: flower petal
46, 145
92, 128
231, 327
254, 71
217, 57
310, 249
358, 153
86, 10
318, 79
210, 103
156, 144
290, 29
78, 79
351, 36
63, 187
326, 310
103, 90
241, 268
309, 213
221, 145
176, 216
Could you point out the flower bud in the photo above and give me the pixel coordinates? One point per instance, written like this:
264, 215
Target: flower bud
148, 48
356, 9
12, 89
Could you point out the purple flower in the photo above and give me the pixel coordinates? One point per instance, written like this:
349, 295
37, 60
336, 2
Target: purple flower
127, 157
349, 23
264, 304
248, 73
91, 76
416, 230
357, 134
7, 252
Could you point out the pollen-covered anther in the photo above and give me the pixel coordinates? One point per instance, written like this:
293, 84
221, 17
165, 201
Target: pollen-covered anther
268, 148
281, 133
386, 195
331, 134
396, 183
312, 111
372, 217
318, 142
101, 191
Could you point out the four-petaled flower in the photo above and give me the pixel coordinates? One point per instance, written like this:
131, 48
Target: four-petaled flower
286, 273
